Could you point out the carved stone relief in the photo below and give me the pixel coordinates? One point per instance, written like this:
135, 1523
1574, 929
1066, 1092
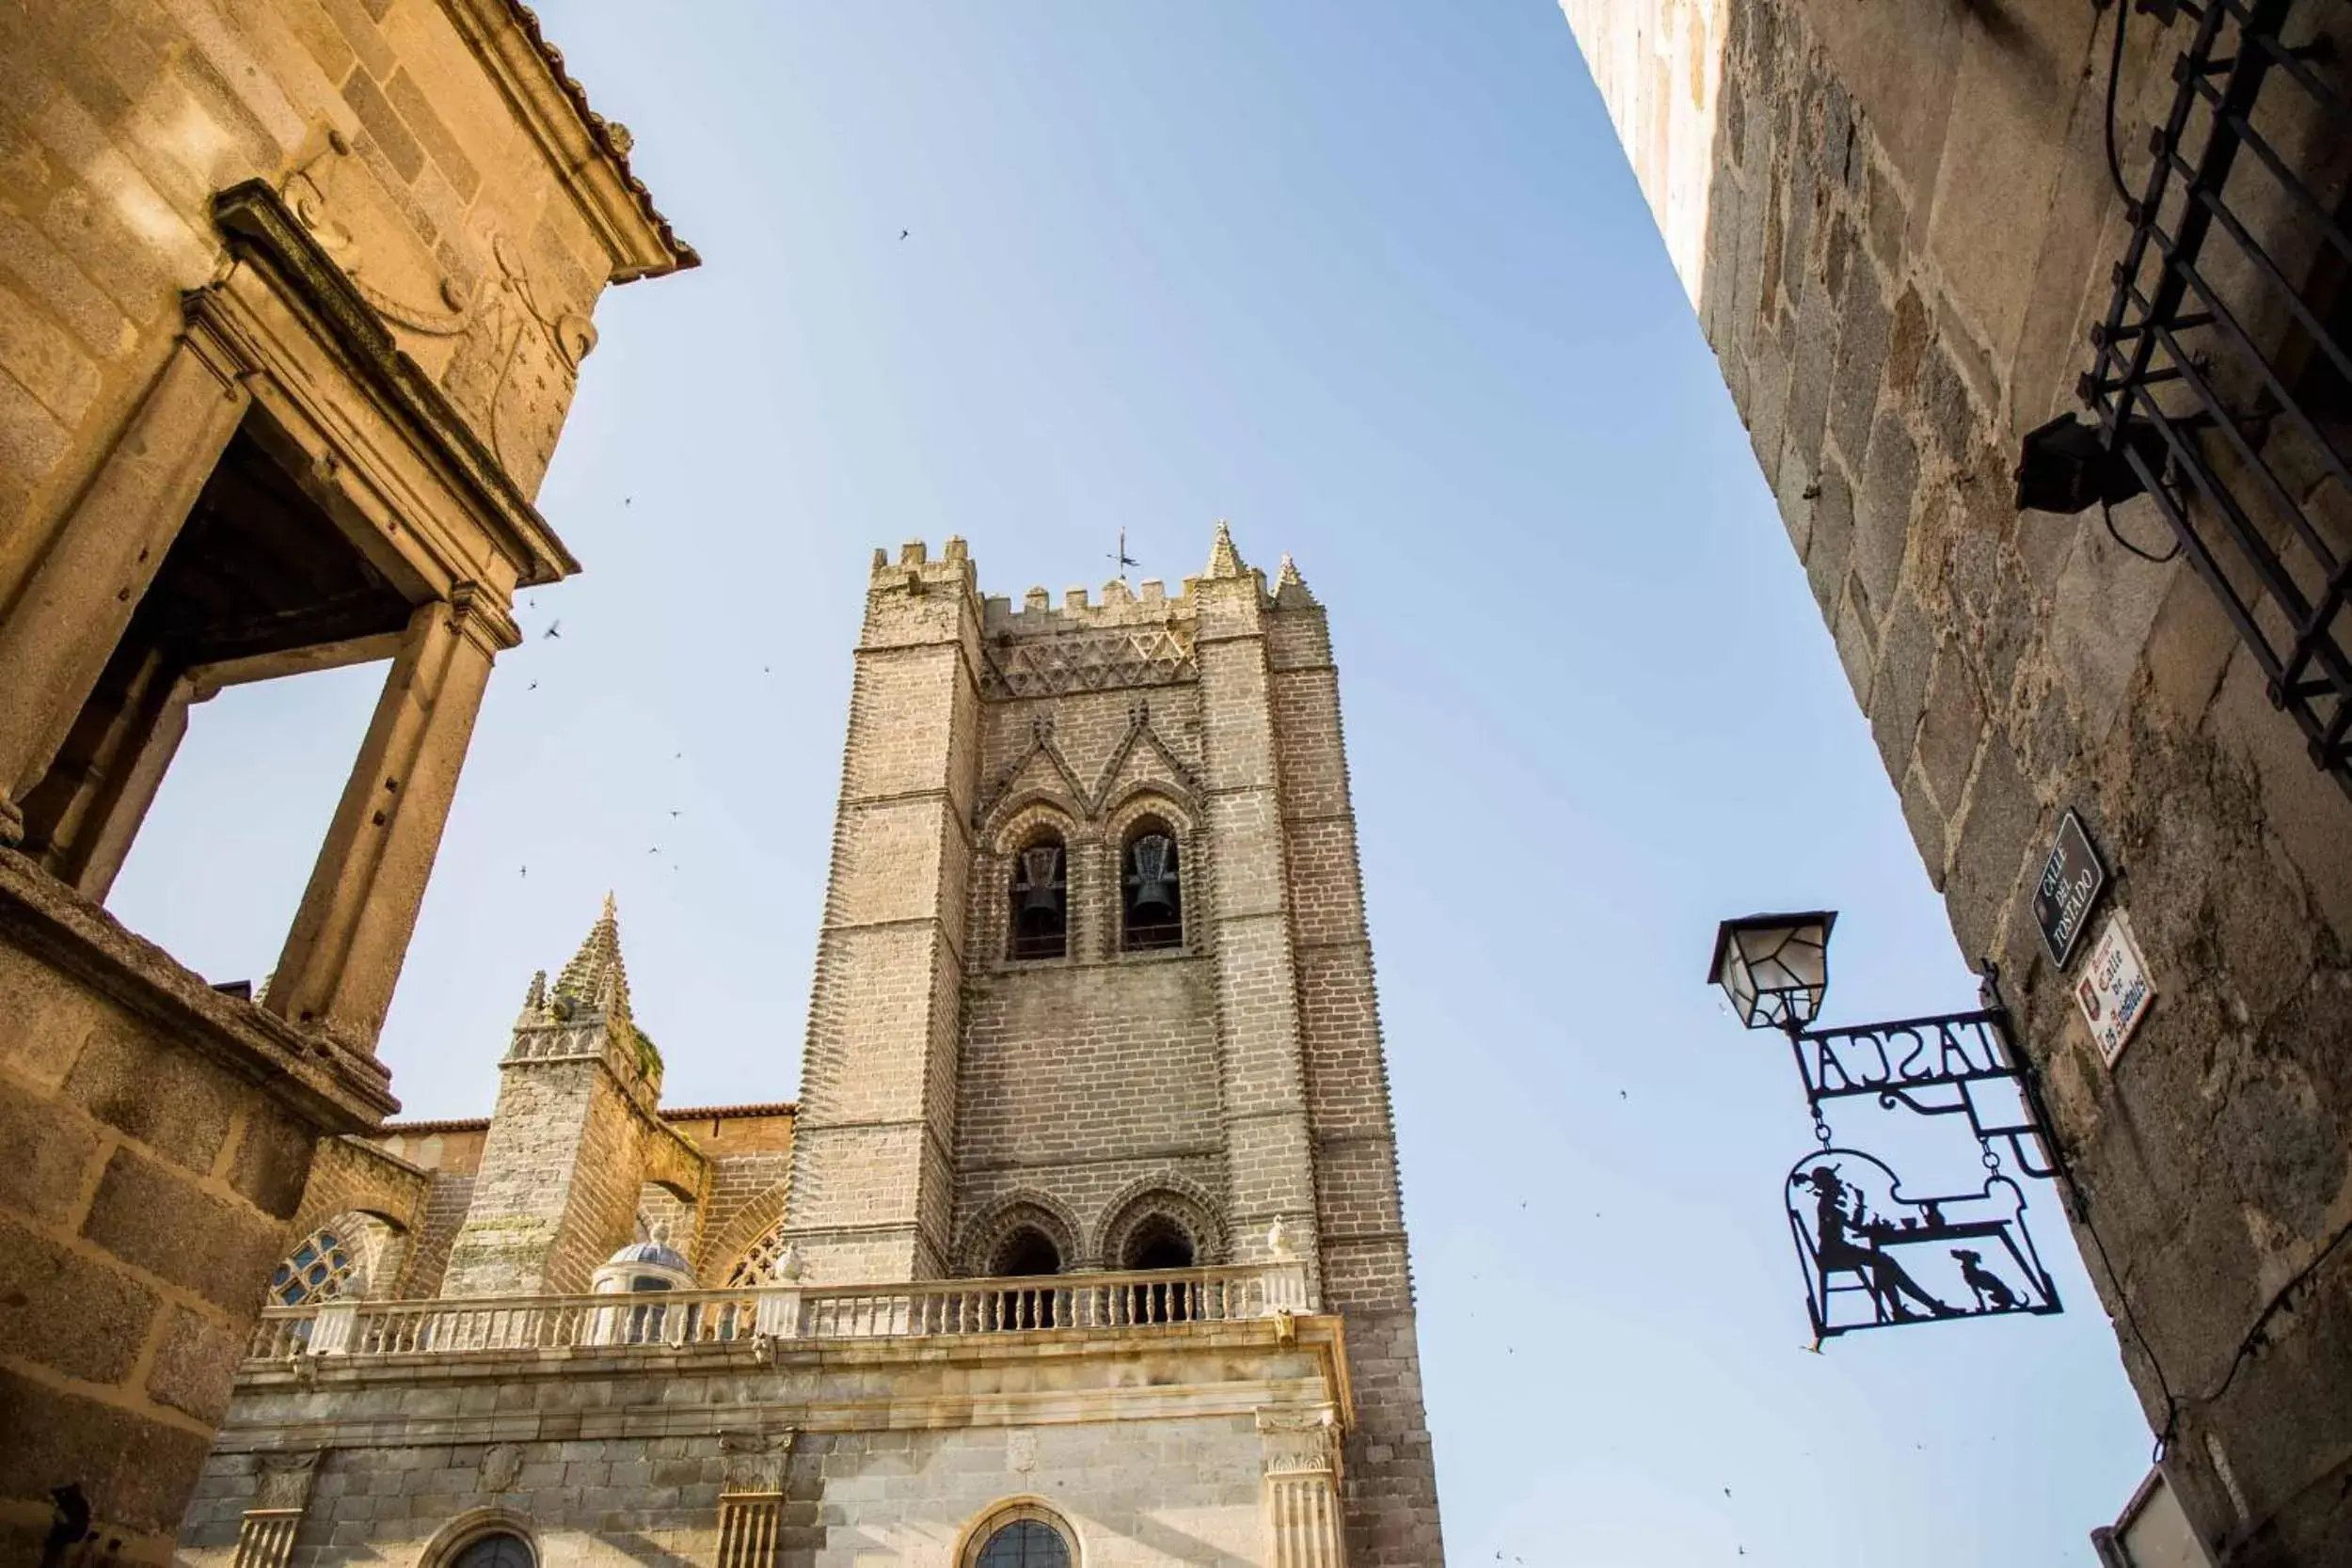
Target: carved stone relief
506, 348
753, 1461
285, 1479
502, 1463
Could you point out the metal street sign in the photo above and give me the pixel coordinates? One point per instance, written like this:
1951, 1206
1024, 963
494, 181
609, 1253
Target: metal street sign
2115, 992
2072, 879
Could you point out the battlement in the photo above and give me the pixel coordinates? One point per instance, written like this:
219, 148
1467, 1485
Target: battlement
1122, 603
1121, 606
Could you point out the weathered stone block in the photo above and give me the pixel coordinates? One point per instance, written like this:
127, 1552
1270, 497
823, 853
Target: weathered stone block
158, 1221
67, 1311
50, 1150
1890, 480
195, 1363
176, 1103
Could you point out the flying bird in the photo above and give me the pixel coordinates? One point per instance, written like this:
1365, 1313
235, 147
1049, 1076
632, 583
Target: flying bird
902, 233
532, 686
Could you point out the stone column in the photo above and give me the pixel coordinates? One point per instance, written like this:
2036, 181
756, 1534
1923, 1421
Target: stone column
1302, 1489
1269, 1160
57, 636
871, 1187
342, 958
80, 818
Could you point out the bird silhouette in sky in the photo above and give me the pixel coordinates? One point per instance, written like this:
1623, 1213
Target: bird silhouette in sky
654, 850
526, 871
554, 629
673, 814
532, 686
902, 233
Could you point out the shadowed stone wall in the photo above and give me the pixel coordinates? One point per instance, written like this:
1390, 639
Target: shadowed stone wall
1897, 227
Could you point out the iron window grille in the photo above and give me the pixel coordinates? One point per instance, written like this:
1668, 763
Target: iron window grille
2223, 368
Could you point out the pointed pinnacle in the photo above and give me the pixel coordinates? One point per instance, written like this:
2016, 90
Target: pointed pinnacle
1224, 560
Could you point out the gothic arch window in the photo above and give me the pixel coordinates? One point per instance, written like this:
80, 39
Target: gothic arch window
317, 1270
1025, 1250
1158, 1242
1020, 1534
1151, 898
1040, 898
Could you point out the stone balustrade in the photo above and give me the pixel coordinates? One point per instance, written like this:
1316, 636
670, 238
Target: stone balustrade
683, 1319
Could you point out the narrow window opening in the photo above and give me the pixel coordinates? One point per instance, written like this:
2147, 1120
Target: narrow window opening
1152, 905
1041, 902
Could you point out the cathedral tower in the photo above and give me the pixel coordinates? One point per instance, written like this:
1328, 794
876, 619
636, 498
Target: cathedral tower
1094, 991
1082, 1247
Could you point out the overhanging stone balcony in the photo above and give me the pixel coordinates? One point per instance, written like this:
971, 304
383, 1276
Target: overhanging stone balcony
670, 1321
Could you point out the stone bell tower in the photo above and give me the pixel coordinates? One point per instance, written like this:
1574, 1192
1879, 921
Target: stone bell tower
1094, 991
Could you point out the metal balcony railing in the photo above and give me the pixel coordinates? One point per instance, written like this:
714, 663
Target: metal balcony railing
683, 1319
2223, 368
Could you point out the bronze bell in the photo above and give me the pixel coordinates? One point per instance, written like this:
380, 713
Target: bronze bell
1153, 877
1040, 886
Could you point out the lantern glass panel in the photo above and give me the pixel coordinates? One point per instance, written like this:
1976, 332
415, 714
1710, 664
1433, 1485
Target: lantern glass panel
1775, 968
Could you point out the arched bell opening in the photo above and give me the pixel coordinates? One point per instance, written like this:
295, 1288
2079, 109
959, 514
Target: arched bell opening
1041, 899
1152, 904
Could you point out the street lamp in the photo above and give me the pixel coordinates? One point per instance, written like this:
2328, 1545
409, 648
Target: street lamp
1876, 1251
1773, 967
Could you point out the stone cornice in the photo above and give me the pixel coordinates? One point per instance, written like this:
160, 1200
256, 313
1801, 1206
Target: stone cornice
261, 230
588, 152
812, 1386
333, 1088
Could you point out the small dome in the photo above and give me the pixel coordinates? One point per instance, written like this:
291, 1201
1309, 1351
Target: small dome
654, 1253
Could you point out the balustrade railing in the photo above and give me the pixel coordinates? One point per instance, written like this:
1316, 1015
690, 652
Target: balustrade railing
688, 1317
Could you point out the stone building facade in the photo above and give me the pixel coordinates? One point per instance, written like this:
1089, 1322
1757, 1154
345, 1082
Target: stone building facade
293, 298
1087, 1224
1900, 228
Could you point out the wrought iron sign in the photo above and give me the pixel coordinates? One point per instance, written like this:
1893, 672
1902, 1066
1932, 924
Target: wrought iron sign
1876, 1252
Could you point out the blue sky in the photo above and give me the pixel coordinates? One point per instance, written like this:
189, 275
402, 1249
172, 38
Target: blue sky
1374, 282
